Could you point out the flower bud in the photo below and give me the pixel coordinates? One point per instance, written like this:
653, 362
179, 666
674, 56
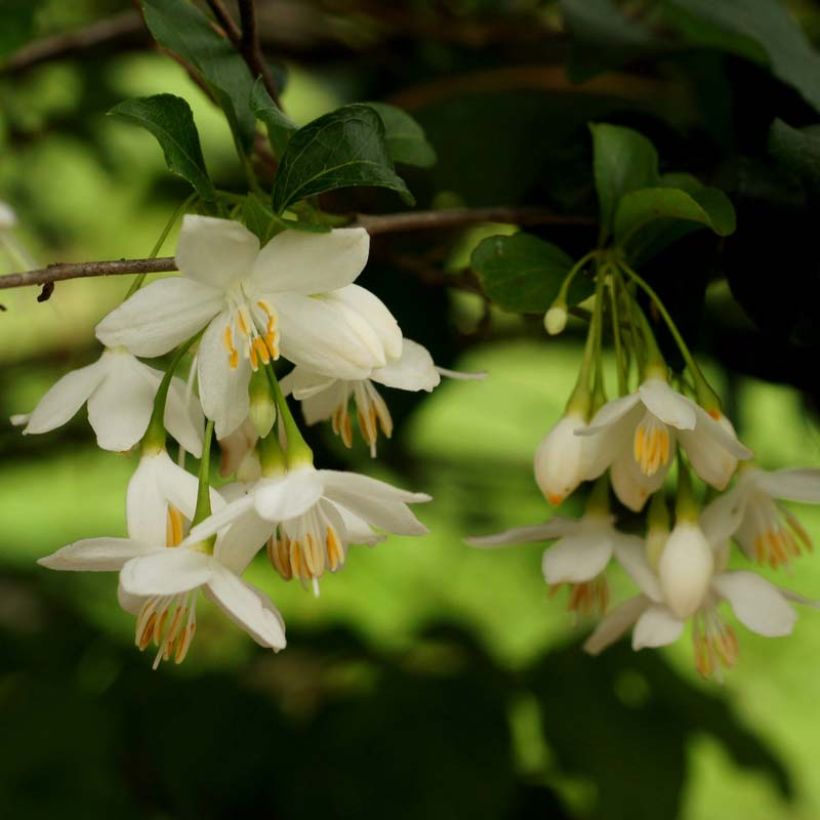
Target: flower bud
685, 569
559, 459
262, 412
555, 319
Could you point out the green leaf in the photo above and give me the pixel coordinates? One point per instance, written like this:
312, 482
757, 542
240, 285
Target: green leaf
650, 219
624, 161
522, 273
170, 120
18, 24
405, 138
798, 150
182, 28
343, 149
762, 29
258, 218
280, 128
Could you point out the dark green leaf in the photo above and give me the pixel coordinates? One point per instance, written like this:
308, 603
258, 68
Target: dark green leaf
18, 24
523, 273
258, 218
797, 150
343, 149
183, 29
624, 161
170, 120
651, 218
280, 128
757, 28
405, 138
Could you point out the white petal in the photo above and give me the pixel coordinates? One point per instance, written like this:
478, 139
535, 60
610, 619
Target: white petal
577, 558
685, 569
303, 383
120, 408
413, 370
615, 624
559, 462
160, 316
241, 541
792, 485
721, 518
667, 404
220, 519
183, 417
554, 528
713, 449
758, 605
216, 252
66, 397
96, 555
290, 496
631, 554
612, 412
722, 433
316, 334
167, 572
248, 607
311, 262
632, 487
372, 314
321, 406
354, 483
357, 529
223, 390
130, 603
658, 626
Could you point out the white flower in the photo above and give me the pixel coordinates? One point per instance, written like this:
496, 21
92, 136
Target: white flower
578, 558
766, 531
312, 516
255, 303
565, 458
159, 575
685, 568
757, 604
325, 397
636, 436
120, 392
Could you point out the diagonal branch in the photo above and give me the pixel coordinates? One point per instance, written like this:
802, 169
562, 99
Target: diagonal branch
251, 49
82, 270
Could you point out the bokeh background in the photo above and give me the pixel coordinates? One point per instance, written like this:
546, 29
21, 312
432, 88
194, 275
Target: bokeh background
428, 680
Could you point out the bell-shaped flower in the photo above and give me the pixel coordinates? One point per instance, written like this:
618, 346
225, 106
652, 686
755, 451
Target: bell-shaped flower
310, 517
752, 511
325, 397
757, 604
582, 551
255, 304
120, 391
636, 436
159, 574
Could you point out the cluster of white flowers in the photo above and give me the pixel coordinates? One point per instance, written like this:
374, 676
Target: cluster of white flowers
236, 307
681, 572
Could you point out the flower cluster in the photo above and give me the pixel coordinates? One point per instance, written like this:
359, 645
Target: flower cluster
235, 310
630, 444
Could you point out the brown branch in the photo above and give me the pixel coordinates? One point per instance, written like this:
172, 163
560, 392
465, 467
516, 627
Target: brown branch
225, 20
251, 50
82, 270
111, 29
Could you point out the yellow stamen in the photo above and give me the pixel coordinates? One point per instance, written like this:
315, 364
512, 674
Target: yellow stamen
174, 527
651, 445
335, 556
233, 353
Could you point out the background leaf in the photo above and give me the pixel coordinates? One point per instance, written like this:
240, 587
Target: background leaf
798, 150
280, 127
343, 149
170, 120
404, 137
624, 161
523, 273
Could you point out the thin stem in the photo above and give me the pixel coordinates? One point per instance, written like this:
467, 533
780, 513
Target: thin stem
573, 271
203, 493
297, 450
598, 387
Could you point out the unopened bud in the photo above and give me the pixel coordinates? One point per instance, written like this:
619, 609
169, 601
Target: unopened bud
262, 414
685, 569
555, 319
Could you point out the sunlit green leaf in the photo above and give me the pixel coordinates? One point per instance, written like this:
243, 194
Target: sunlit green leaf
343, 149
170, 120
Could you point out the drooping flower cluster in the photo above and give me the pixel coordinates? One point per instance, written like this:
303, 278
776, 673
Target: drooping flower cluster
630, 444
236, 308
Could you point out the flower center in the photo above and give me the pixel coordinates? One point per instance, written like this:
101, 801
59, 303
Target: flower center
715, 643
169, 622
652, 444
588, 598
306, 546
372, 414
778, 535
251, 331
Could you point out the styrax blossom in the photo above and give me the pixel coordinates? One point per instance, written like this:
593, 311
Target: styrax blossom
255, 304
324, 397
120, 391
159, 575
758, 605
310, 517
578, 558
636, 436
766, 531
